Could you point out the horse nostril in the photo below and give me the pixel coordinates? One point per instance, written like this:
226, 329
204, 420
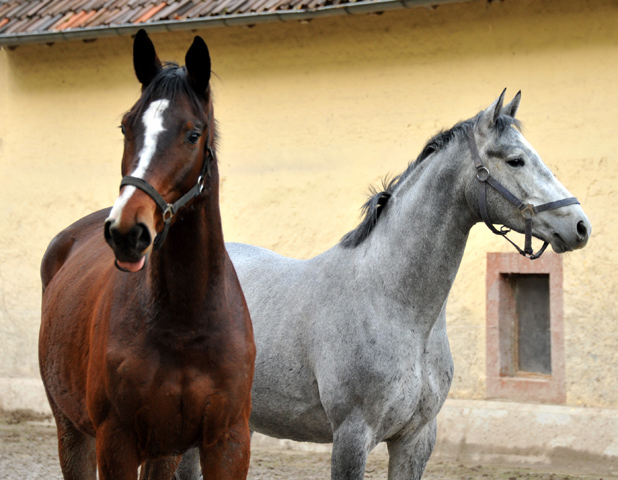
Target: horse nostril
582, 231
107, 231
136, 240
143, 237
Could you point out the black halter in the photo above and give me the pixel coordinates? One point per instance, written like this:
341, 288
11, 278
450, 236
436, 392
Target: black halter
170, 209
527, 209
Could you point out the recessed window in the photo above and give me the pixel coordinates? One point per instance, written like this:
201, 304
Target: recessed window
525, 338
531, 292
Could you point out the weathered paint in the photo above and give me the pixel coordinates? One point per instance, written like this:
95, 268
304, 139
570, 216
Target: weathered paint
309, 115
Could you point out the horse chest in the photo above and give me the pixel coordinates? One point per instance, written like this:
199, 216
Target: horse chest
422, 392
405, 380
165, 401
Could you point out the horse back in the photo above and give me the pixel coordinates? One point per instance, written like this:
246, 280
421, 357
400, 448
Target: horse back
66, 242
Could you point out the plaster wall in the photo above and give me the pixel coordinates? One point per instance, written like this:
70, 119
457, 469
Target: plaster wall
309, 116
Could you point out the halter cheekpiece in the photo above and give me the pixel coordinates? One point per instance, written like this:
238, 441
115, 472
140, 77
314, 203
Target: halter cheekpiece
527, 209
170, 209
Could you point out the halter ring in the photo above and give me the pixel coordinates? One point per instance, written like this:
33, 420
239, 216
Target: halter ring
528, 211
482, 173
168, 213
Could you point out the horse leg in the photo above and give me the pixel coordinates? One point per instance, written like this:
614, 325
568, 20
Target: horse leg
160, 469
408, 455
228, 459
189, 468
76, 450
116, 452
350, 450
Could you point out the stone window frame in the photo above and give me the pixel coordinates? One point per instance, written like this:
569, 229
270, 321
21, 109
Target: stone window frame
522, 386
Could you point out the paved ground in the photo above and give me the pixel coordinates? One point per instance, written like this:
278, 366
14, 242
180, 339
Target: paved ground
28, 452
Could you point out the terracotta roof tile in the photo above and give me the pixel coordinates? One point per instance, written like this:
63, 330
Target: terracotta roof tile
95, 20
180, 13
169, 10
3, 22
94, 4
207, 8
29, 22
63, 22
122, 3
61, 6
47, 9
36, 6
127, 15
84, 20
78, 5
237, 6
15, 25
74, 20
51, 21
5, 7
11, 7
136, 12
258, 5
109, 4
220, 7
193, 11
150, 13
23, 7
116, 13
38, 21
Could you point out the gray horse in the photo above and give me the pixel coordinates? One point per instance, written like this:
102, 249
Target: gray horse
352, 344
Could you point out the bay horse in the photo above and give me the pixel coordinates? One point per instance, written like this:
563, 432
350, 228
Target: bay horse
352, 344
146, 348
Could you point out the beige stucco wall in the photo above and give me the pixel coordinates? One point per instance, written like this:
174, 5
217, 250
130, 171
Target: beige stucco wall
310, 115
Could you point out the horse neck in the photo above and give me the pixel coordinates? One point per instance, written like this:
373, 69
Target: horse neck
188, 271
418, 246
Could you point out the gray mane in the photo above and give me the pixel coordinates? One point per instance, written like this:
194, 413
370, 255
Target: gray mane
378, 200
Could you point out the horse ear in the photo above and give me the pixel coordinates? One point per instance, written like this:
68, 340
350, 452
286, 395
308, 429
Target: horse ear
489, 116
145, 60
511, 108
197, 62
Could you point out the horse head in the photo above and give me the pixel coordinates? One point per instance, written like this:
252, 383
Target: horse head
168, 150
513, 186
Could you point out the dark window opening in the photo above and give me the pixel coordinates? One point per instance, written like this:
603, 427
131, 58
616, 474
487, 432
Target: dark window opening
532, 318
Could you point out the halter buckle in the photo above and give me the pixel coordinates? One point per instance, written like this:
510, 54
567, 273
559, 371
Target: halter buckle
482, 173
528, 211
168, 213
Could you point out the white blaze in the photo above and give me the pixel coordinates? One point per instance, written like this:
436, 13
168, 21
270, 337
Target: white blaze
545, 186
153, 123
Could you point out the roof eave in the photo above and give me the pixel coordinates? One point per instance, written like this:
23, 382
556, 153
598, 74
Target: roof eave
357, 8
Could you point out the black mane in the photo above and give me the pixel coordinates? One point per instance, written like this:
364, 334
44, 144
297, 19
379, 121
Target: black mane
378, 200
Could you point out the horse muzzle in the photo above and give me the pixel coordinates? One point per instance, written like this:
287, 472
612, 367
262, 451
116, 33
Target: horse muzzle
130, 245
573, 236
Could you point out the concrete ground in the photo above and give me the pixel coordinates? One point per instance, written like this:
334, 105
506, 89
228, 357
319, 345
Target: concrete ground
28, 452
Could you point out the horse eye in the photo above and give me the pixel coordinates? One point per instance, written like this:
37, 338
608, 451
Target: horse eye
516, 162
123, 130
193, 138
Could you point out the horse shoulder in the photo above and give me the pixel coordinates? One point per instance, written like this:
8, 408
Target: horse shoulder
64, 243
